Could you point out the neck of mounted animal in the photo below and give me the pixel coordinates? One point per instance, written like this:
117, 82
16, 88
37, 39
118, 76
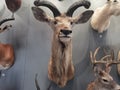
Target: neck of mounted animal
95, 85
98, 85
61, 53
100, 20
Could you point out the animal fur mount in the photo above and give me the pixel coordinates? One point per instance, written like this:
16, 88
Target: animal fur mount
6, 56
102, 68
60, 68
100, 20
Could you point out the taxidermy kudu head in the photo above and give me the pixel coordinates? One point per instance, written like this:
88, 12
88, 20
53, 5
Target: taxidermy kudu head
100, 20
104, 80
60, 68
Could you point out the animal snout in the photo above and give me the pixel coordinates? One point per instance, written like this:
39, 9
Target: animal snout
66, 32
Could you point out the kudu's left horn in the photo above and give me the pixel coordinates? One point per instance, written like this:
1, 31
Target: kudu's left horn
48, 4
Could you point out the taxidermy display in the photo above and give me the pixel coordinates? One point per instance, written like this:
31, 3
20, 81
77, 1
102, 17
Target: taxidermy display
60, 68
100, 20
6, 50
102, 68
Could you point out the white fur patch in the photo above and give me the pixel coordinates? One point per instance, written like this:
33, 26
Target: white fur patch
65, 39
101, 18
4, 68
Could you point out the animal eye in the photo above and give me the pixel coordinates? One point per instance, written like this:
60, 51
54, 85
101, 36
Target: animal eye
105, 80
71, 22
55, 22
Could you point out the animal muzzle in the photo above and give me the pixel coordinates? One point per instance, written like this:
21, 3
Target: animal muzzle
66, 32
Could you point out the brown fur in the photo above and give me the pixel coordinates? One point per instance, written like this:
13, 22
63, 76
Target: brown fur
100, 84
60, 67
91, 86
104, 80
6, 55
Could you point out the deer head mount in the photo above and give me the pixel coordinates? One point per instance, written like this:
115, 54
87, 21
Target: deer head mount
100, 20
104, 80
60, 68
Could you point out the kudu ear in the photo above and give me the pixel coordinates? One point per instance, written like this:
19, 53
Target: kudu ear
39, 14
84, 17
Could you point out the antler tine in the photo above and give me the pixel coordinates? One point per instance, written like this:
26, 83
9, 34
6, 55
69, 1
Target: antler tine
101, 61
109, 63
104, 58
108, 58
93, 57
95, 53
112, 61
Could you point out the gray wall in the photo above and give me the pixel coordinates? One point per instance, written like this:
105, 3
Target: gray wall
31, 40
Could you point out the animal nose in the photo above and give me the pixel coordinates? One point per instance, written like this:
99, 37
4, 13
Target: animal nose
66, 32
